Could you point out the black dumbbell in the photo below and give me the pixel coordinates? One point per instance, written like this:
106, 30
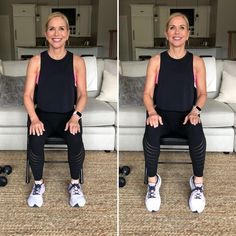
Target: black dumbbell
123, 171
6, 170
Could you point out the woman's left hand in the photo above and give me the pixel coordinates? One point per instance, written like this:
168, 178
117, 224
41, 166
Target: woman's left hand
73, 125
193, 118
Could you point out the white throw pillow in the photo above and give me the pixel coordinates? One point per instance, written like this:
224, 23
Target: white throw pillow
109, 88
227, 90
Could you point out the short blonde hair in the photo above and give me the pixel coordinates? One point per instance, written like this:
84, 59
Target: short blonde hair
57, 14
173, 15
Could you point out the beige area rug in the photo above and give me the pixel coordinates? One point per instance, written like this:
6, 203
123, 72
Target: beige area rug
56, 217
174, 217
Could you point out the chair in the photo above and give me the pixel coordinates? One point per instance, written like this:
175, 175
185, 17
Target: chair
52, 142
167, 141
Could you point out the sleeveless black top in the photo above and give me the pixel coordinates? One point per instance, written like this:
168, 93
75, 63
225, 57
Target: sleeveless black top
175, 89
55, 91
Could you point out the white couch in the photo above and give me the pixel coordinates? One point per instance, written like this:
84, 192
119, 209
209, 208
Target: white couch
99, 117
218, 118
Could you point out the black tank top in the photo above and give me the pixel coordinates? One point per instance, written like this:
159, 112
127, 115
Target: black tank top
56, 85
175, 89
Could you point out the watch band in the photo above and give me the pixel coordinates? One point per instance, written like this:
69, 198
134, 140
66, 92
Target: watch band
79, 114
198, 108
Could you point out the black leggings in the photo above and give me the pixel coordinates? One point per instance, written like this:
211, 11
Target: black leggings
173, 123
55, 123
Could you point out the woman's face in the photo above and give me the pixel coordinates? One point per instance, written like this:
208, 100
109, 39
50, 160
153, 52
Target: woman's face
57, 33
177, 32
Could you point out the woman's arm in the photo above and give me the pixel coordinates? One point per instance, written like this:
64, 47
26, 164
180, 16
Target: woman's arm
36, 126
200, 76
152, 72
81, 100
80, 72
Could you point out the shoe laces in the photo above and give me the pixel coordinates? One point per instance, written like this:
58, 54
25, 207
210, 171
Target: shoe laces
152, 191
36, 189
198, 192
75, 188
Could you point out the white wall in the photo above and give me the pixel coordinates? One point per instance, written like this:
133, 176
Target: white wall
226, 20
5, 39
107, 20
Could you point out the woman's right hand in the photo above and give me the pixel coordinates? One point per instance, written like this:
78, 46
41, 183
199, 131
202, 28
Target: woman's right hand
36, 127
154, 120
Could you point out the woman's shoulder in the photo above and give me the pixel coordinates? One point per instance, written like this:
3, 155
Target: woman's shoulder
154, 61
78, 61
198, 61
35, 60
78, 58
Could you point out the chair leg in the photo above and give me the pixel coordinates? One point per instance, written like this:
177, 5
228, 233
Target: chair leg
27, 169
145, 176
81, 176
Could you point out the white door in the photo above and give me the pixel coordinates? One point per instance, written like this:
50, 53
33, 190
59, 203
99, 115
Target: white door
84, 21
203, 21
142, 26
24, 31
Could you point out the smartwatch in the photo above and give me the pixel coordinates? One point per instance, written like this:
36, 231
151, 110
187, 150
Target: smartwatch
198, 108
79, 114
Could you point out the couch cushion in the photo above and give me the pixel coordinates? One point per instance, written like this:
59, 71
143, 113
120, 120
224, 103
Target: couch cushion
217, 114
108, 91
133, 68
219, 69
132, 116
11, 90
214, 114
13, 116
230, 67
100, 68
227, 89
1, 69
110, 66
98, 113
14, 68
233, 107
131, 90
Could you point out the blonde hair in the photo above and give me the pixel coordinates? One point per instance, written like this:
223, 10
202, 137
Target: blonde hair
57, 14
175, 15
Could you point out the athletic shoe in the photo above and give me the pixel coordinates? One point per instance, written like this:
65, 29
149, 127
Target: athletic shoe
153, 198
197, 200
76, 195
36, 196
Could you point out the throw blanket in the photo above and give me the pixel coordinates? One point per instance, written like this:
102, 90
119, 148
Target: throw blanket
91, 72
210, 64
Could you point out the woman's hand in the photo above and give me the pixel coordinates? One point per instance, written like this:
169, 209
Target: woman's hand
193, 118
36, 127
73, 125
154, 120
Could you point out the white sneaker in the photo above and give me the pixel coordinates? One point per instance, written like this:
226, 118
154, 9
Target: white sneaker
36, 196
77, 198
153, 198
197, 200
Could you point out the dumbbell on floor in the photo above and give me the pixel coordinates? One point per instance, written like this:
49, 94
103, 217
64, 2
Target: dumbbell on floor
123, 171
6, 170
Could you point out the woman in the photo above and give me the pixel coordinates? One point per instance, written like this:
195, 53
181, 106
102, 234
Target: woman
174, 94
56, 81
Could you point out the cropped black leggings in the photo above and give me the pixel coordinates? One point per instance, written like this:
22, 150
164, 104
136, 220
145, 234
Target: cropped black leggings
173, 123
55, 123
